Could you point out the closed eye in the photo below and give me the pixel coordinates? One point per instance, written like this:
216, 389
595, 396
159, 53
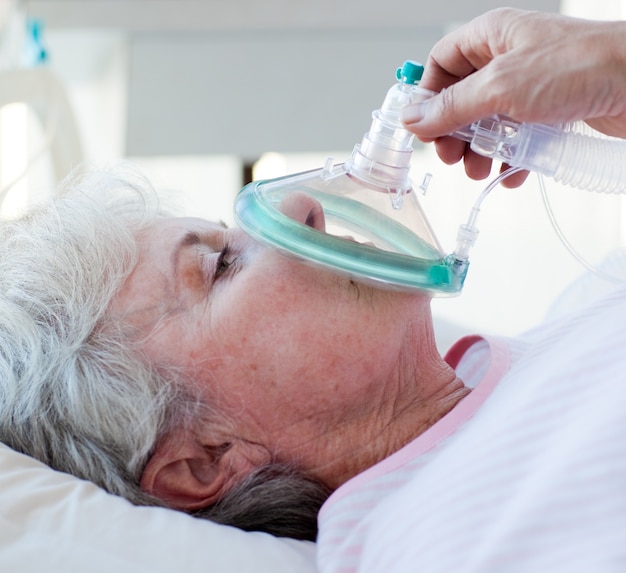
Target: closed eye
223, 263
218, 265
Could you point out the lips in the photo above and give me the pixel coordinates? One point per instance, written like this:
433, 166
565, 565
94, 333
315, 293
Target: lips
353, 240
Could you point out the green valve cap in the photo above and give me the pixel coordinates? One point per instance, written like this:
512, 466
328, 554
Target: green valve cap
410, 72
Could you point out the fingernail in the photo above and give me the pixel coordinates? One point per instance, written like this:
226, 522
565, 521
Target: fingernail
413, 113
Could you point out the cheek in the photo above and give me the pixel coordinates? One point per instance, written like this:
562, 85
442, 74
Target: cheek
282, 324
271, 330
282, 346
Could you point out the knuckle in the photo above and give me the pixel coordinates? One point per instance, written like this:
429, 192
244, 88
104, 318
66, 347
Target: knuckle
500, 86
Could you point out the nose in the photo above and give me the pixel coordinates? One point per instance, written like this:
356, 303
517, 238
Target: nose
305, 209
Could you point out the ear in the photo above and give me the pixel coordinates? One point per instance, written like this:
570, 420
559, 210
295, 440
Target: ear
188, 474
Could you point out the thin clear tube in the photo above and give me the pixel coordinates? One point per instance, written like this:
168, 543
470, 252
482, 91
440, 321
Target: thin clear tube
468, 232
561, 235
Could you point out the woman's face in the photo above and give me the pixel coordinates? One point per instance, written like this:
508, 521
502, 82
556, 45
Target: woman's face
291, 352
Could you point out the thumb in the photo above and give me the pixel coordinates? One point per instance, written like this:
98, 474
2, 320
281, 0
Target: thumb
453, 108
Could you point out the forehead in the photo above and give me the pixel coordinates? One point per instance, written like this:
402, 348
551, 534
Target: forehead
169, 230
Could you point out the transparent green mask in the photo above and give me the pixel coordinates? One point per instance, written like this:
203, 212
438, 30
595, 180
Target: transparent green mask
373, 228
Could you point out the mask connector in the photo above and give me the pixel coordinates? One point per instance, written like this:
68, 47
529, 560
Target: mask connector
465, 240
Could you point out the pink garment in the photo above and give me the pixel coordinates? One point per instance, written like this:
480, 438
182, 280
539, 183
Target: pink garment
528, 475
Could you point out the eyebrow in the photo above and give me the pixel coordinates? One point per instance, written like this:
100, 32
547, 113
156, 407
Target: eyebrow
188, 239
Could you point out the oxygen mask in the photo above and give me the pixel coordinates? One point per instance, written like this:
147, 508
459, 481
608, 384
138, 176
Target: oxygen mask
362, 217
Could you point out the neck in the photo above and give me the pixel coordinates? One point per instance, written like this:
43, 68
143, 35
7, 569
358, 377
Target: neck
369, 447
423, 390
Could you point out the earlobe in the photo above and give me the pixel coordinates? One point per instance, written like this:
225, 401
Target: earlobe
187, 474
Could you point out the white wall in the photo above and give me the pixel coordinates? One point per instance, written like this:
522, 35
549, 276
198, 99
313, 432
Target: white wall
252, 92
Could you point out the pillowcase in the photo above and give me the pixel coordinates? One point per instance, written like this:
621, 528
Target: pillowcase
51, 521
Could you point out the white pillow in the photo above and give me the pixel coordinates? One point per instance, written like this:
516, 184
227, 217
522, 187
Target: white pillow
50, 521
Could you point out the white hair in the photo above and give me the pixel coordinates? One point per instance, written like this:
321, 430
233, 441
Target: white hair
71, 386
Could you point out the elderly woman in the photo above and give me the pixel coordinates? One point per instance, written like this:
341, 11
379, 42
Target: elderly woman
168, 359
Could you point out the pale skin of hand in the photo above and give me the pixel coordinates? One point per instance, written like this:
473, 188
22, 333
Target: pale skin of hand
531, 66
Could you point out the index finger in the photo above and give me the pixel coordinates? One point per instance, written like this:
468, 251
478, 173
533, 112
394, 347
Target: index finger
459, 54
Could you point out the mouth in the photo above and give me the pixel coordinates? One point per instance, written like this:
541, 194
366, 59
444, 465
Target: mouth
351, 239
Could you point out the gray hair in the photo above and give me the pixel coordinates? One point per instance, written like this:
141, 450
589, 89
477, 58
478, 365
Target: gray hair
75, 393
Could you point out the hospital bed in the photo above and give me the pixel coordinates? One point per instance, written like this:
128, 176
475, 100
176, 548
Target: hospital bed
50, 521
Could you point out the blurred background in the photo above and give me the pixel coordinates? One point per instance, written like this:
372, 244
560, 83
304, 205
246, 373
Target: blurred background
206, 95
